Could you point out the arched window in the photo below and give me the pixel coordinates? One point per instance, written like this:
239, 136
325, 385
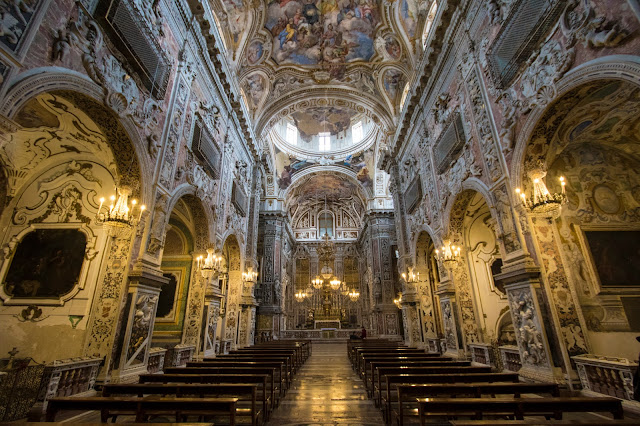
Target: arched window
325, 224
427, 25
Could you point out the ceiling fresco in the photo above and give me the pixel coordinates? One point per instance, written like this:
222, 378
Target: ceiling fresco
313, 120
599, 114
361, 163
322, 65
279, 47
311, 32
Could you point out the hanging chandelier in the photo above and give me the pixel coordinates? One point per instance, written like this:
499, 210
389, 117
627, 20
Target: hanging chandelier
119, 212
354, 295
300, 295
542, 201
317, 282
448, 252
335, 283
410, 277
209, 265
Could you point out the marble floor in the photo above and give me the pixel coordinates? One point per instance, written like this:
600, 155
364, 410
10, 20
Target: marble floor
326, 391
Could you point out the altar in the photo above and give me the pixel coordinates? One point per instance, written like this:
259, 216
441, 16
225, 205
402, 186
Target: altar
326, 324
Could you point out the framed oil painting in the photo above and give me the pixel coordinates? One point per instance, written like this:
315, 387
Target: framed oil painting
46, 264
614, 257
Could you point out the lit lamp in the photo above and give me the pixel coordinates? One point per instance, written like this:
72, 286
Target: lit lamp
354, 295
250, 275
410, 277
209, 265
542, 201
335, 283
317, 282
300, 295
398, 301
120, 211
448, 252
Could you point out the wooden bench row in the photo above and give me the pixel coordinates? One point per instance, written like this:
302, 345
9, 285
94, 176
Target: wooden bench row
408, 384
245, 384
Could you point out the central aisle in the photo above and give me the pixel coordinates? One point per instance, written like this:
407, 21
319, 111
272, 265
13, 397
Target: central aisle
326, 391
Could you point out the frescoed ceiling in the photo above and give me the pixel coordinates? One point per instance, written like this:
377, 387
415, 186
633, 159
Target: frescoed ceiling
362, 49
323, 66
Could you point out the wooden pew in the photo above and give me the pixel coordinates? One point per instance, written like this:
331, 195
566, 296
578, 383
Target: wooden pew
295, 354
517, 407
282, 377
367, 358
383, 372
288, 362
243, 391
394, 379
263, 380
145, 406
408, 393
274, 386
371, 373
362, 353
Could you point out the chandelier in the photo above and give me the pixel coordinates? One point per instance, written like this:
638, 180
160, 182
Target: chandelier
448, 252
300, 295
119, 212
250, 275
410, 277
354, 295
542, 201
335, 283
317, 282
209, 265
398, 301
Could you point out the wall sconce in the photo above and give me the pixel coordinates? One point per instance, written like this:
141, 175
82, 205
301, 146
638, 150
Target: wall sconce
398, 301
542, 201
448, 252
250, 276
118, 212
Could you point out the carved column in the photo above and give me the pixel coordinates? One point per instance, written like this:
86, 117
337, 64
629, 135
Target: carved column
452, 344
131, 353
193, 321
380, 230
109, 298
272, 232
213, 302
530, 315
565, 314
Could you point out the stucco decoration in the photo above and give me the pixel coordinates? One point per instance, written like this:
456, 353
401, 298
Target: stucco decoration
580, 22
526, 321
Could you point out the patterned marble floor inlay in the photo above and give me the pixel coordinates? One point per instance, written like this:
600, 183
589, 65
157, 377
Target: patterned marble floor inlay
326, 391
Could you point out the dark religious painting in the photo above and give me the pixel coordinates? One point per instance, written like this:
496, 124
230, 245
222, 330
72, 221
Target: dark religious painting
47, 263
616, 257
167, 296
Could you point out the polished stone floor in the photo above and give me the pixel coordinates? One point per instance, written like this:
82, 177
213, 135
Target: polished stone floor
326, 391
